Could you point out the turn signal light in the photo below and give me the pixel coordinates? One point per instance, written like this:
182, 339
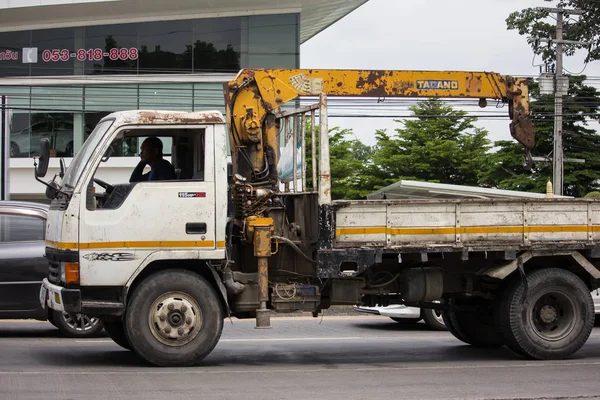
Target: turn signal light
71, 272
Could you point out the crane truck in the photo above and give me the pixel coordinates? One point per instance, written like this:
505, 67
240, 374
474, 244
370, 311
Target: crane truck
164, 263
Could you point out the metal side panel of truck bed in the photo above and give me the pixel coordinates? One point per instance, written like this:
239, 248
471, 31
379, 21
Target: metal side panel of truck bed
536, 223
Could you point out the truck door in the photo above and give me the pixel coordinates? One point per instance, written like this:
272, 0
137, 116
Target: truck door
128, 225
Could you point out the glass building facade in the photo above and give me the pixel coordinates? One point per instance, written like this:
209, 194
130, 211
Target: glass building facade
91, 71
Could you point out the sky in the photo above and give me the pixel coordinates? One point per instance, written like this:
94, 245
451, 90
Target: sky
462, 35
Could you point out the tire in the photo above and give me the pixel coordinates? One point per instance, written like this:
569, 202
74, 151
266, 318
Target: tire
116, 331
14, 150
555, 321
433, 319
476, 327
51, 318
451, 328
405, 321
76, 325
174, 318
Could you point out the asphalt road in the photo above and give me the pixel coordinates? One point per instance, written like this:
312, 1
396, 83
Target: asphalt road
366, 357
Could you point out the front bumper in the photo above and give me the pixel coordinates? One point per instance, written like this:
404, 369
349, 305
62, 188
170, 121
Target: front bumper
59, 298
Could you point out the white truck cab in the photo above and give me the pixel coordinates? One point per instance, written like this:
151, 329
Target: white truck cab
95, 240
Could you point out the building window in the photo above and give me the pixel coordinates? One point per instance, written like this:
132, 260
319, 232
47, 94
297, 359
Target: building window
110, 49
162, 47
55, 50
217, 44
165, 47
11, 57
56, 127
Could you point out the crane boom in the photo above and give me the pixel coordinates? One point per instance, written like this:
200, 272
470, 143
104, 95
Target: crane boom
255, 94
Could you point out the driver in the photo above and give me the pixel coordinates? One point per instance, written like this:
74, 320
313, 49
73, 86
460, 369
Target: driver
152, 154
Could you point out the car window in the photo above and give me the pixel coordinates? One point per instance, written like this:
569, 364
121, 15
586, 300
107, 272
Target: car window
20, 228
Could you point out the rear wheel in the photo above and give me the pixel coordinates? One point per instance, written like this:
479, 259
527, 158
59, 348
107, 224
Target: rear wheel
475, 326
174, 318
116, 331
554, 321
451, 328
76, 325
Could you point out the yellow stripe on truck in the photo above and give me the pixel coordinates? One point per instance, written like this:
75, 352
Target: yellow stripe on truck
135, 244
465, 230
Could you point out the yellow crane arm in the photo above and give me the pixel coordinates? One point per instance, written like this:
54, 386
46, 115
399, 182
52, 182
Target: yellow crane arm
253, 96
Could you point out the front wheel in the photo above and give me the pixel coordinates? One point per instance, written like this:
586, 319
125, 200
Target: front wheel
76, 325
116, 331
174, 319
553, 321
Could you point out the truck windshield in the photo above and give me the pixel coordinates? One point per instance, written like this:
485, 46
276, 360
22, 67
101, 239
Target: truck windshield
80, 160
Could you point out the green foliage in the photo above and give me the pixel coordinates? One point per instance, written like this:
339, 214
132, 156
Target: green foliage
503, 168
592, 195
440, 145
537, 23
348, 157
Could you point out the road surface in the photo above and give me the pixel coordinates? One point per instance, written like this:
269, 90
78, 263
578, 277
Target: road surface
345, 358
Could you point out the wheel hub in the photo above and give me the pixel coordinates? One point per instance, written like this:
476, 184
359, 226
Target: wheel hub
552, 315
548, 314
175, 319
80, 322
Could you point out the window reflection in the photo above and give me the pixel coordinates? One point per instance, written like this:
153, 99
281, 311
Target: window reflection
18, 228
165, 46
217, 44
11, 49
56, 127
118, 45
212, 44
54, 47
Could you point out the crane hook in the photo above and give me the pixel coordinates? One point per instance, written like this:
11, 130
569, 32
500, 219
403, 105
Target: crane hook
527, 161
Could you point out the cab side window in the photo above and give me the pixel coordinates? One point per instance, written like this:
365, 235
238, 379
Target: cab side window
18, 228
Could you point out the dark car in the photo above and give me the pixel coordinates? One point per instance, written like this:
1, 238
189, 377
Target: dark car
23, 266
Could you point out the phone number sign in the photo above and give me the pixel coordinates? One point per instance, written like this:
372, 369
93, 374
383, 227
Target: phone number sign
30, 55
96, 54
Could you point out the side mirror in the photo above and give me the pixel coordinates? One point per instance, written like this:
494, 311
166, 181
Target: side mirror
42, 168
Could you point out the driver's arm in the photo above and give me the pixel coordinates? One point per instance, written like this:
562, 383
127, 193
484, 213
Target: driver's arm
137, 175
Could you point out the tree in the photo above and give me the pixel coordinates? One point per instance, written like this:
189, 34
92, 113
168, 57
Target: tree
503, 169
440, 145
586, 28
348, 159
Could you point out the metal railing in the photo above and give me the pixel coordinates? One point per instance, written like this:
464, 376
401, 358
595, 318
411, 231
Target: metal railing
293, 125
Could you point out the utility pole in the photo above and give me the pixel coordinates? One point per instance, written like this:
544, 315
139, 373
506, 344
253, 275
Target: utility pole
557, 167
561, 87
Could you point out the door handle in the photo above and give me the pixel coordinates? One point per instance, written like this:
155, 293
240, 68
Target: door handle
195, 228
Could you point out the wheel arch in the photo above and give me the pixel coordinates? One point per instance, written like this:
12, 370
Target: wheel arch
572, 261
199, 267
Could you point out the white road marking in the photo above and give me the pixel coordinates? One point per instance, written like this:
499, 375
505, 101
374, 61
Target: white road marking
298, 339
94, 341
